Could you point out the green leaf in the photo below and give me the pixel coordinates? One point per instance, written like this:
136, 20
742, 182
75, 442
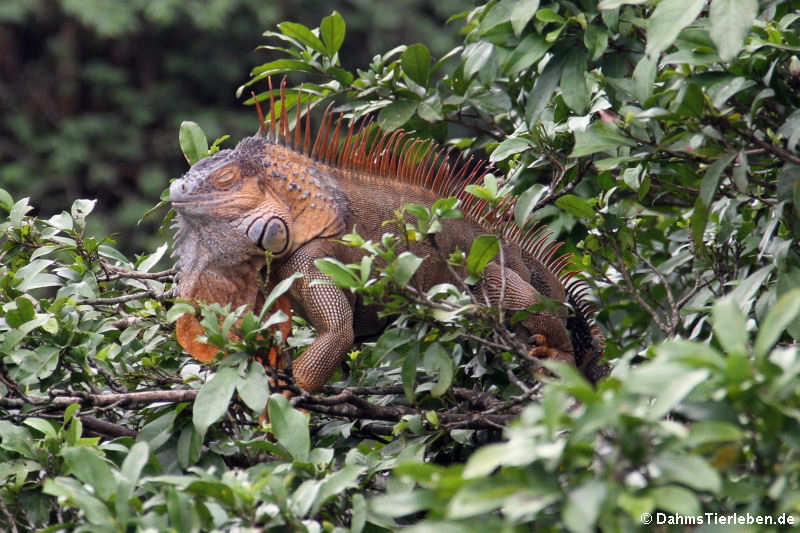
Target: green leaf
333, 29
396, 114
614, 4
676, 500
45, 361
18, 212
280, 288
543, 89
408, 372
599, 137
16, 439
583, 506
254, 389
549, 15
290, 427
302, 34
430, 112
416, 63
97, 513
689, 470
785, 312
43, 426
358, 509
179, 309
667, 21
190, 446
212, 401
483, 250
527, 201
92, 468
476, 55
194, 144
707, 431
510, 146
130, 472
595, 38
747, 288
576, 206
710, 182
279, 66
698, 222
482, 497
81, 208
6, 201
70, 412
438, 363
731, 21
394, 504
135, 462
403, 268
529, 50
673, 392
522, 12
573, 80
23, 313
337, 483
693, 102
183, 515
730, 326
340, 273
644, 75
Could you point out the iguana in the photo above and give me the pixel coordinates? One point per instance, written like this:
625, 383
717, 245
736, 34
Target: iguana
276, 192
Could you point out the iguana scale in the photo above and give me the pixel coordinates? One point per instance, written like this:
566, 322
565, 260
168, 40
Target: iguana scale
275, 191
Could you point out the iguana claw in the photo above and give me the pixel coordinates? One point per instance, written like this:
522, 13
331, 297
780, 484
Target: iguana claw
542, 351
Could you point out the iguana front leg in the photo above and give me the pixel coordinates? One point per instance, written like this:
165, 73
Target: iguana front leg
328, 309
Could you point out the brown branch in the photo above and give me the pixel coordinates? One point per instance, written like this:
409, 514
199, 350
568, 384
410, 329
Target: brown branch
775, 150
352, 407
61, 399
8, 516
124, 273
127, 322
127, 298
106, 429
365, 391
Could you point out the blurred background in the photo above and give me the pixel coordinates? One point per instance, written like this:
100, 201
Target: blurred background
92, 92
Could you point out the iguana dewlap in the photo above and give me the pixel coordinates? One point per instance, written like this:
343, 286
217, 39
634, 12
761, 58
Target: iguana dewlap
271, 194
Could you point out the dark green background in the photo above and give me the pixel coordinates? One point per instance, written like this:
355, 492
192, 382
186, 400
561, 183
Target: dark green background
92, 92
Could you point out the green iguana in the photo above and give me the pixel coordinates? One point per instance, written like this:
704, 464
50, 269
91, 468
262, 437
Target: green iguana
275, 192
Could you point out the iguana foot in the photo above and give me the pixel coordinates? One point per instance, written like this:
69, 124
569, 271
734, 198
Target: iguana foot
541, 350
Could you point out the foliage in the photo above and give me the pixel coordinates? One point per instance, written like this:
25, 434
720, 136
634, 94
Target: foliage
658, 138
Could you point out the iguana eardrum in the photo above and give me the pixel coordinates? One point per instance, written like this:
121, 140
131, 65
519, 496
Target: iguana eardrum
276, 192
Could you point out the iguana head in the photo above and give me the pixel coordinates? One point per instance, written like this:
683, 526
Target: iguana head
238, 204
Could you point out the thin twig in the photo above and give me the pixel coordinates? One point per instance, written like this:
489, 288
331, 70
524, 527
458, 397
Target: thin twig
635, 293
674, 320
122, 272
127, 298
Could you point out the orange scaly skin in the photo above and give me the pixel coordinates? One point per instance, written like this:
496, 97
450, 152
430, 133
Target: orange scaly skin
295, 203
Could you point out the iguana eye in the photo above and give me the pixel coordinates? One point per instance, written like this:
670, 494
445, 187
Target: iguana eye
272, 236
224, 178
